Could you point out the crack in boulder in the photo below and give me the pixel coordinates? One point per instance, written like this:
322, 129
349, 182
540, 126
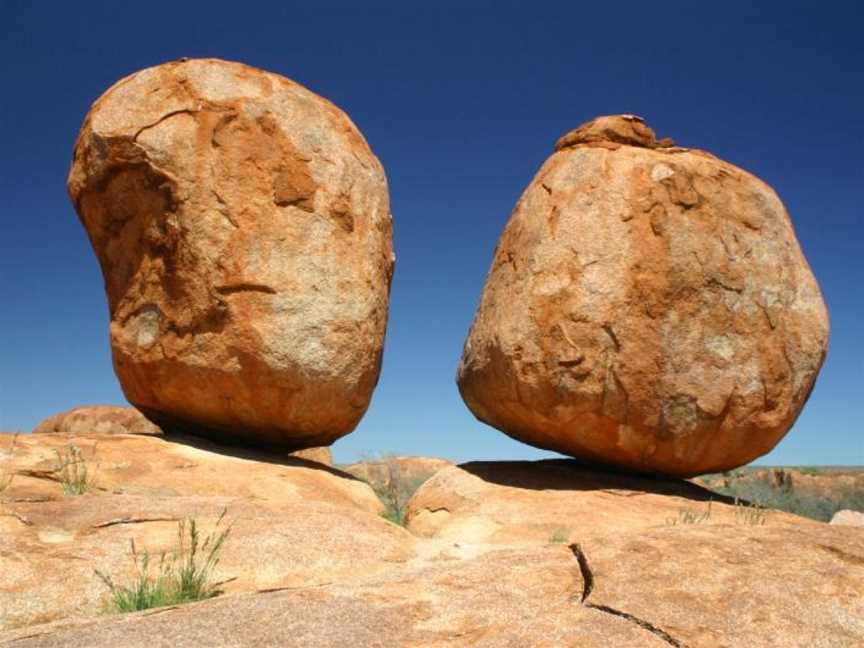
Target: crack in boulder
180, 111
588, 587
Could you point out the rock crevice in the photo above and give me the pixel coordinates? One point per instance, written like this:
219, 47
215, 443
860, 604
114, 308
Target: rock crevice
587, 588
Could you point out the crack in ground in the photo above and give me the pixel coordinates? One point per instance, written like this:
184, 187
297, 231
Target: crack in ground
133, 520
588, 587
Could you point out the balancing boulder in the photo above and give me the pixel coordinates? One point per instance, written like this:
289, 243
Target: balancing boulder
243, 229
648, 308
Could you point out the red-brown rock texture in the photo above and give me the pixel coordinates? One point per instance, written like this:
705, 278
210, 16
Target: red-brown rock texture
648, 307
98, 419
283, 512
511, 554
243, 228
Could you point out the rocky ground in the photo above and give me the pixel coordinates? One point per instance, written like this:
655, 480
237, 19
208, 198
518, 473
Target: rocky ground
543, 553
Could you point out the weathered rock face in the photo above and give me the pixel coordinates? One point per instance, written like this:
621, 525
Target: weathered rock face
98, 419
526, 502
283, 513
111, 419
648, 307
243, 228
620, 576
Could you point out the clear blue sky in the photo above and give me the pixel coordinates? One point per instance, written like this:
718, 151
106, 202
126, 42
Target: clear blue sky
462, 103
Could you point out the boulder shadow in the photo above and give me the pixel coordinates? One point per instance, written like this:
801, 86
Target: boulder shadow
571, 474
264, 454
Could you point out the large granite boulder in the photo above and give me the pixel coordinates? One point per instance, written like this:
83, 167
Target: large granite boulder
243, 229
648, 307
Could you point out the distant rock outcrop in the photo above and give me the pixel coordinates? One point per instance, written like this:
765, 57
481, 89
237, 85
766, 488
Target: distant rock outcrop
111, 419
243, 228
98, 419
406, 469
648, 307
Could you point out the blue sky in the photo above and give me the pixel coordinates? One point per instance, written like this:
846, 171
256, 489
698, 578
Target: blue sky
462, 102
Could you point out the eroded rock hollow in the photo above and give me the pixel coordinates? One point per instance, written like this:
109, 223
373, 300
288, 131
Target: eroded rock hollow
243, 229
648, 307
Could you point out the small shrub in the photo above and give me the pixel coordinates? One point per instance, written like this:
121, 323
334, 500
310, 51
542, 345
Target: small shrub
72, 470
782, 495
183, 576
690, 516
394, 490
146, 591
559, 536
198, 559
752, 514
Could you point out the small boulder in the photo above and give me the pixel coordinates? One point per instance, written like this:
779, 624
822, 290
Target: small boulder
321, 455
848, 518
98, 419
648, 307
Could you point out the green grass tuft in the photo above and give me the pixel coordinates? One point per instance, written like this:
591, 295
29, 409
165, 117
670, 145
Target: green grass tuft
183, 576
559, 536
394, 489
72, 471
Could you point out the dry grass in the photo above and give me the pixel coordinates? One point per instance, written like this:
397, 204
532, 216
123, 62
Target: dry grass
6, 475
781, 489
559, 536
690, 516
752, 514
72, 471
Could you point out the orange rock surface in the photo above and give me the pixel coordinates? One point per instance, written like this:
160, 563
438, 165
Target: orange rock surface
513, 554
98, 419
243, 229
648, 307
294, 522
